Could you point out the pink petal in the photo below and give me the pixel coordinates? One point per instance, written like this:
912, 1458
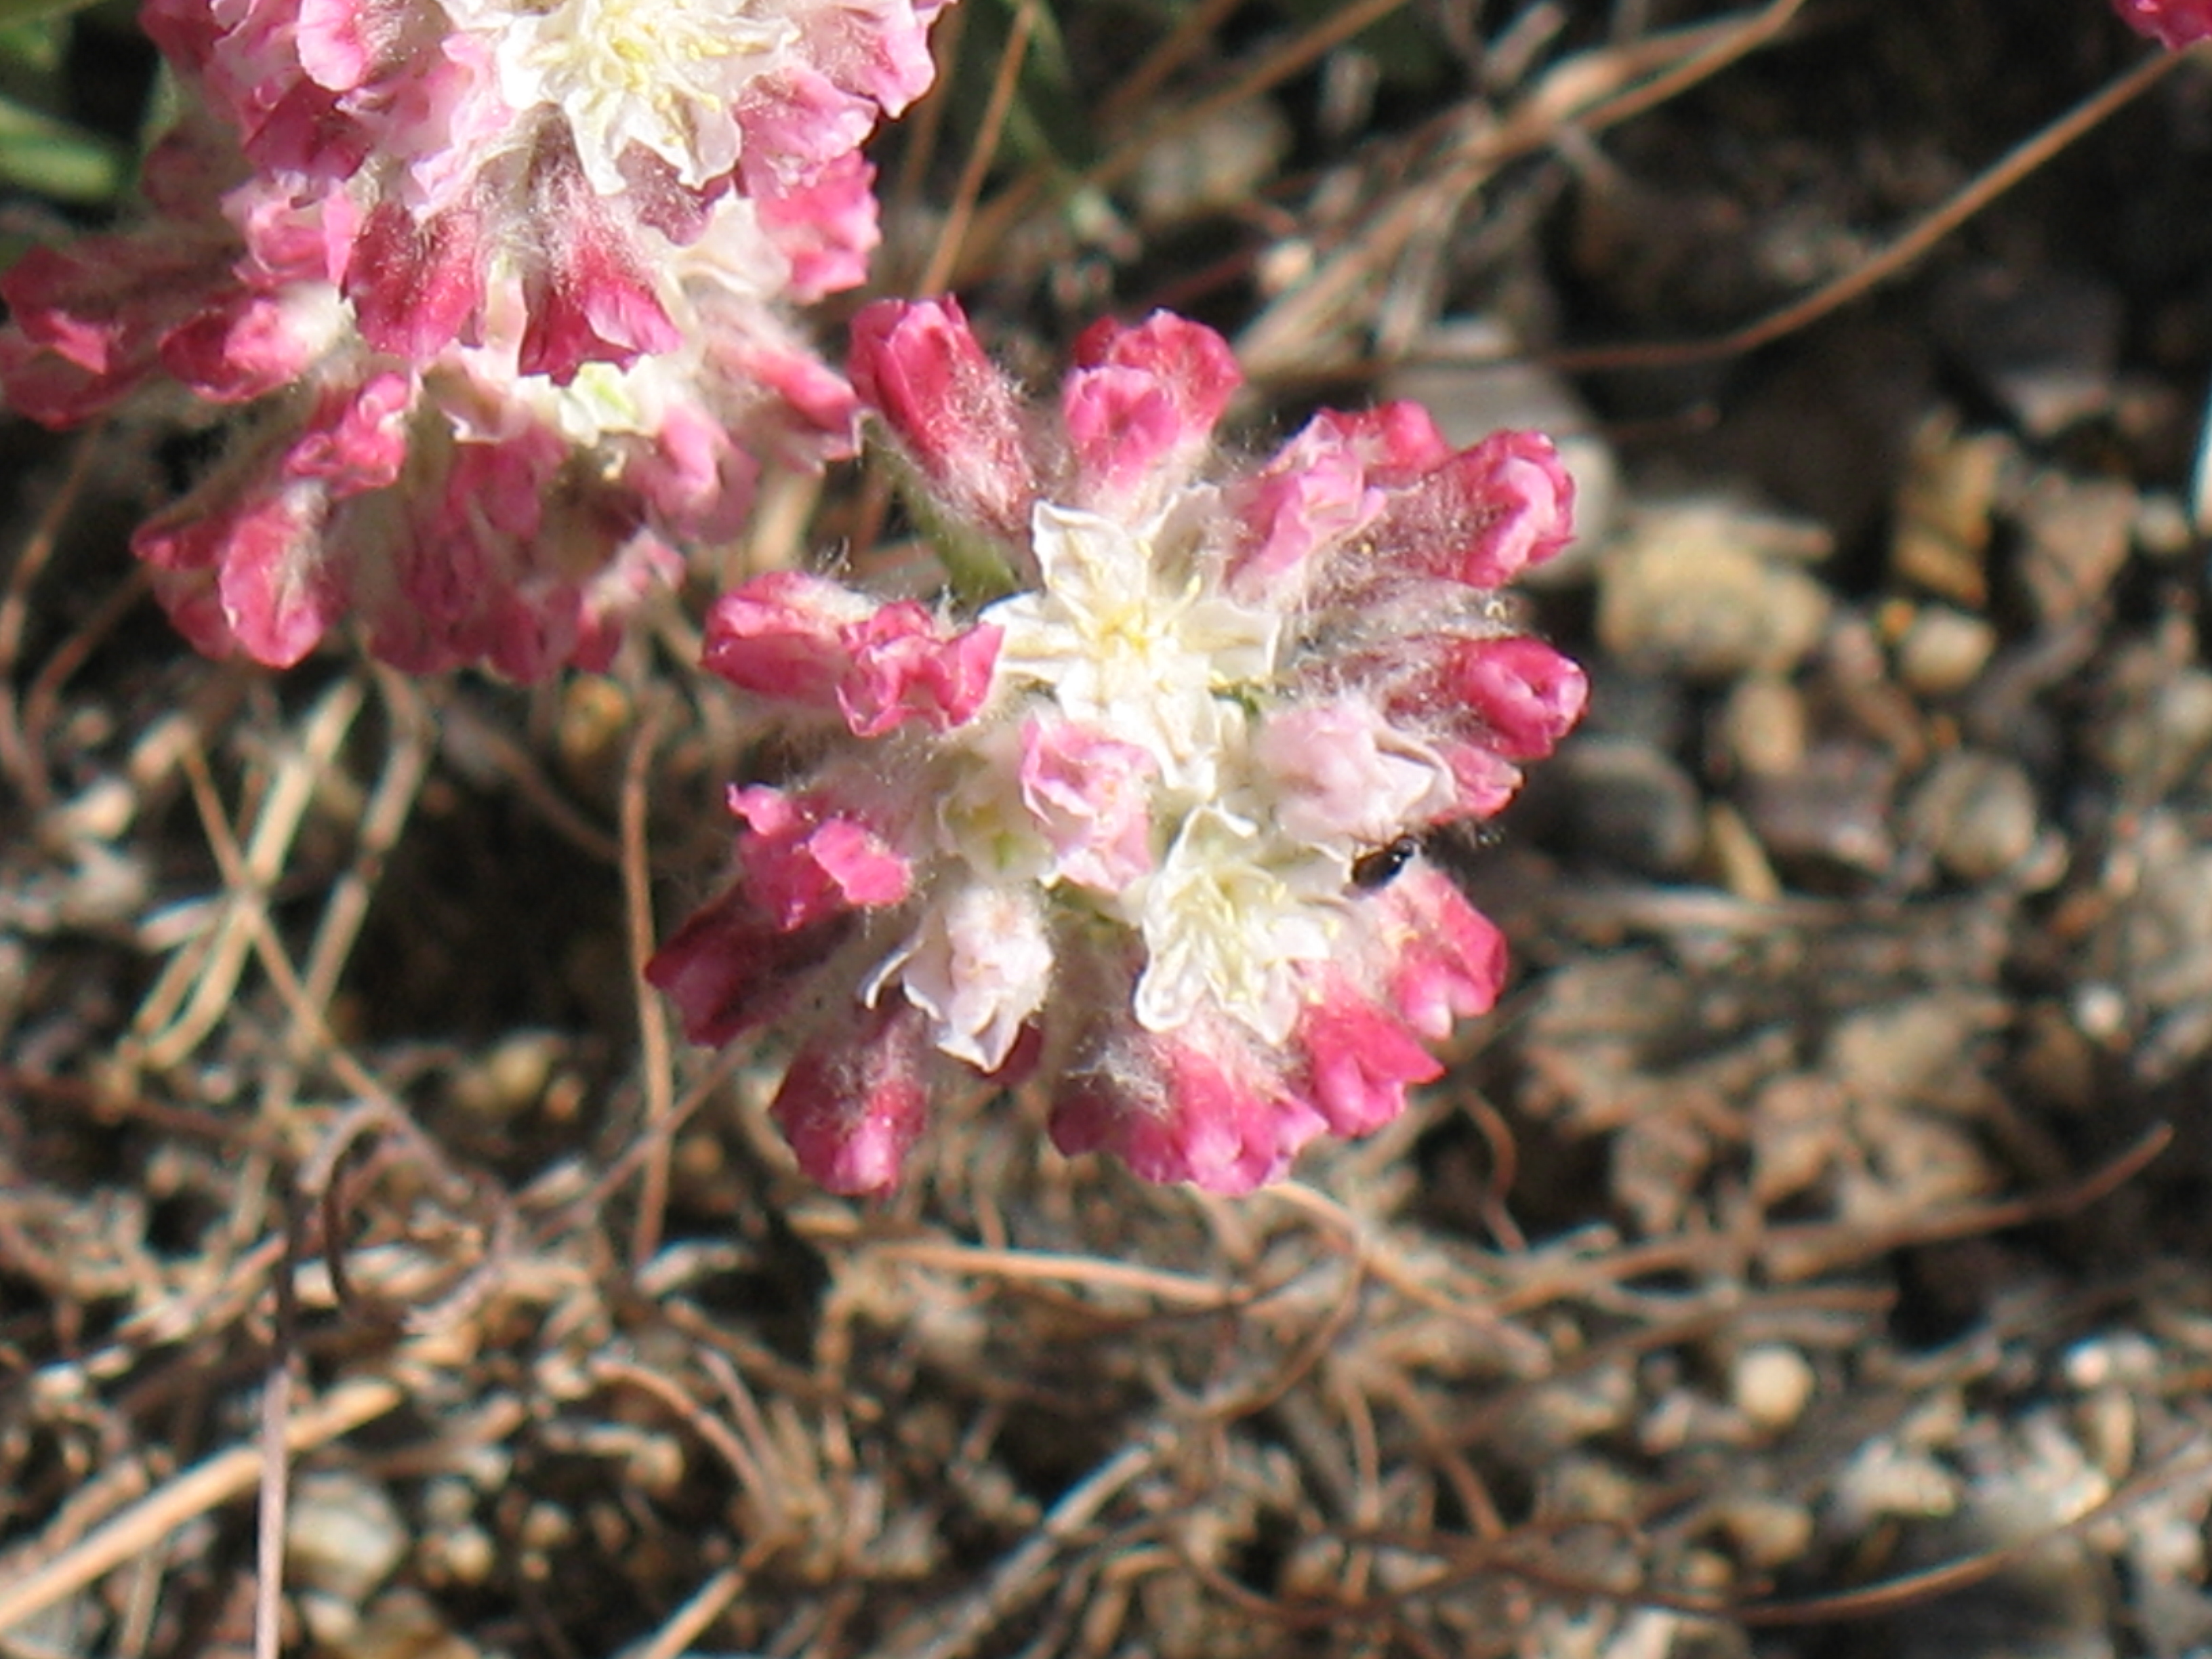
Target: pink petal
1291, 513
807, 860
795, 123
781, 635
2172, 23
1359, 1060
592, 301
415, 284
728, 969
918, 366
1484, 781
1339, 773
241, 346
694, 477
1091, 796
1180, 1109
906, 667
87, 322
1140, 406
1485, 514
854, 1101
354, 438
879, 49
1394, 443
1446, 960
279, 591
825, 226
1525, 694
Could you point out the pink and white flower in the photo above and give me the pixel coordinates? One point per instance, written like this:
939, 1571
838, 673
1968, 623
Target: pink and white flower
500, 291
1166, 760
462, 510
476, 154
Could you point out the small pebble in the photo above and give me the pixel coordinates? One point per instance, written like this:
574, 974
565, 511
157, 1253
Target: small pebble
1945, 508
1771, 1384
510, 1079
345, 1536
1943, 650
2077, 534
2162, 528
1767, 1532
1738, 862
1684, 592
2056, 1061
1977, 814
406, 1625
465, 1555
1763, 728
1618, 801
2100, 1010
1885, 1480
2124, 1356
1833, 812
2162, 733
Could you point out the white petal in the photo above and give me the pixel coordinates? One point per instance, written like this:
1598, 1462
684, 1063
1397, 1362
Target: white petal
979, 967
1229, 915
663, 74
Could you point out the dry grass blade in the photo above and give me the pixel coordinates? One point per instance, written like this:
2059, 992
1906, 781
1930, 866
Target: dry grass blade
20, 760
29, 1585
1174, 1289
1023, 1575
694, 1617
382, 823
195, 993
1305, 333
1986, 187
655, 1052
996, 221
945, 257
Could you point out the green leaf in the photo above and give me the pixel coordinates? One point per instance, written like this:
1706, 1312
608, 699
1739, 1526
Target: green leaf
13, 12
33, 47
57, 160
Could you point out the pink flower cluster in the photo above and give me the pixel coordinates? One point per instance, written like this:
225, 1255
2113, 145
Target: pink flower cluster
1138, 817
2175, 23
499, 288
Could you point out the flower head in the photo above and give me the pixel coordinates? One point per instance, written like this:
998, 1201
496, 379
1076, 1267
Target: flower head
500, 291
462, 508
1153, 788
471, 154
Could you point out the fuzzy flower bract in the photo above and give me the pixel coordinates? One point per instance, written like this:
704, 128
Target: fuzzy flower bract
1136, 813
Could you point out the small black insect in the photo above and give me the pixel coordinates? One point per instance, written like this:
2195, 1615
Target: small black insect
1379, 866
